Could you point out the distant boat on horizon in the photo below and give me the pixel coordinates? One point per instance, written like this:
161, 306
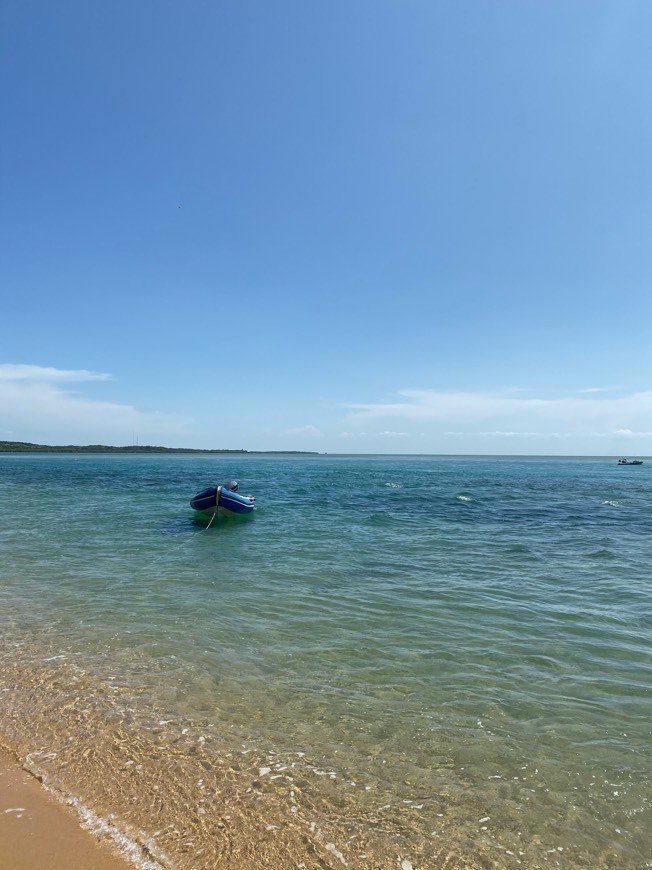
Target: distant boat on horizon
630, 462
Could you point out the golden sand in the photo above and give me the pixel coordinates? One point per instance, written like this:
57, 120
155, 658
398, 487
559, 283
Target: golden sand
38, 830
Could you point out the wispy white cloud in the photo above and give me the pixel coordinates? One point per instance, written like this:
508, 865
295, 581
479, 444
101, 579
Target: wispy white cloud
432, 405
598, 390
628, 433
499, 434
15, 372
34, 406
305, 430
588, 414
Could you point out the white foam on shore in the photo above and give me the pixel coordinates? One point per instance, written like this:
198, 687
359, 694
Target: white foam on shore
142, 853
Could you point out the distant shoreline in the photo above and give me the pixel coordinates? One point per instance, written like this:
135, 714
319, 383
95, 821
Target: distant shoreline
27, 447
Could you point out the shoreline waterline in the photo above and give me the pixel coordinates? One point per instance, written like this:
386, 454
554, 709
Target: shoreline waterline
182, 794
39, 828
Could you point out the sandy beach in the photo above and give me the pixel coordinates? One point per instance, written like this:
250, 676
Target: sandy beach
38, 830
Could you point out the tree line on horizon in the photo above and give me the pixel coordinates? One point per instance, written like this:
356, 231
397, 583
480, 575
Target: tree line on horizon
27, 447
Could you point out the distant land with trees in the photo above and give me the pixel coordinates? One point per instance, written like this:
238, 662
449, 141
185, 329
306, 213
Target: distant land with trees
26, 447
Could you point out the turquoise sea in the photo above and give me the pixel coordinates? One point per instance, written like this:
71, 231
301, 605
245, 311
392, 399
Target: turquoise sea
413, 662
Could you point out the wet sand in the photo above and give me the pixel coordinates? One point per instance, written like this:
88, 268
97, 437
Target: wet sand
38, 830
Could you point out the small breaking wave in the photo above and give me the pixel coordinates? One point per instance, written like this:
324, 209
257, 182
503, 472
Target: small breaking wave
142, 855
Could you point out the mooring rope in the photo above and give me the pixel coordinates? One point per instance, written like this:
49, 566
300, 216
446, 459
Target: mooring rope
211, 521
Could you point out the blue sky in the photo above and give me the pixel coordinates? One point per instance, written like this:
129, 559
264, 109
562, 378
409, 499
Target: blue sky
350, 227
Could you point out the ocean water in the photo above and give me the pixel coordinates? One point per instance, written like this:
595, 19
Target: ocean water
394, 662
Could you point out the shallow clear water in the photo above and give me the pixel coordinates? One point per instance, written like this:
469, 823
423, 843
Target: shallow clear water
423, 659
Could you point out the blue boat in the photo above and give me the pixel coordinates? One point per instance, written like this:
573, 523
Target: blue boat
222, 500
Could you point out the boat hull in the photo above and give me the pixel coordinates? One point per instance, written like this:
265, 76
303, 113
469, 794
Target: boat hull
217, 499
